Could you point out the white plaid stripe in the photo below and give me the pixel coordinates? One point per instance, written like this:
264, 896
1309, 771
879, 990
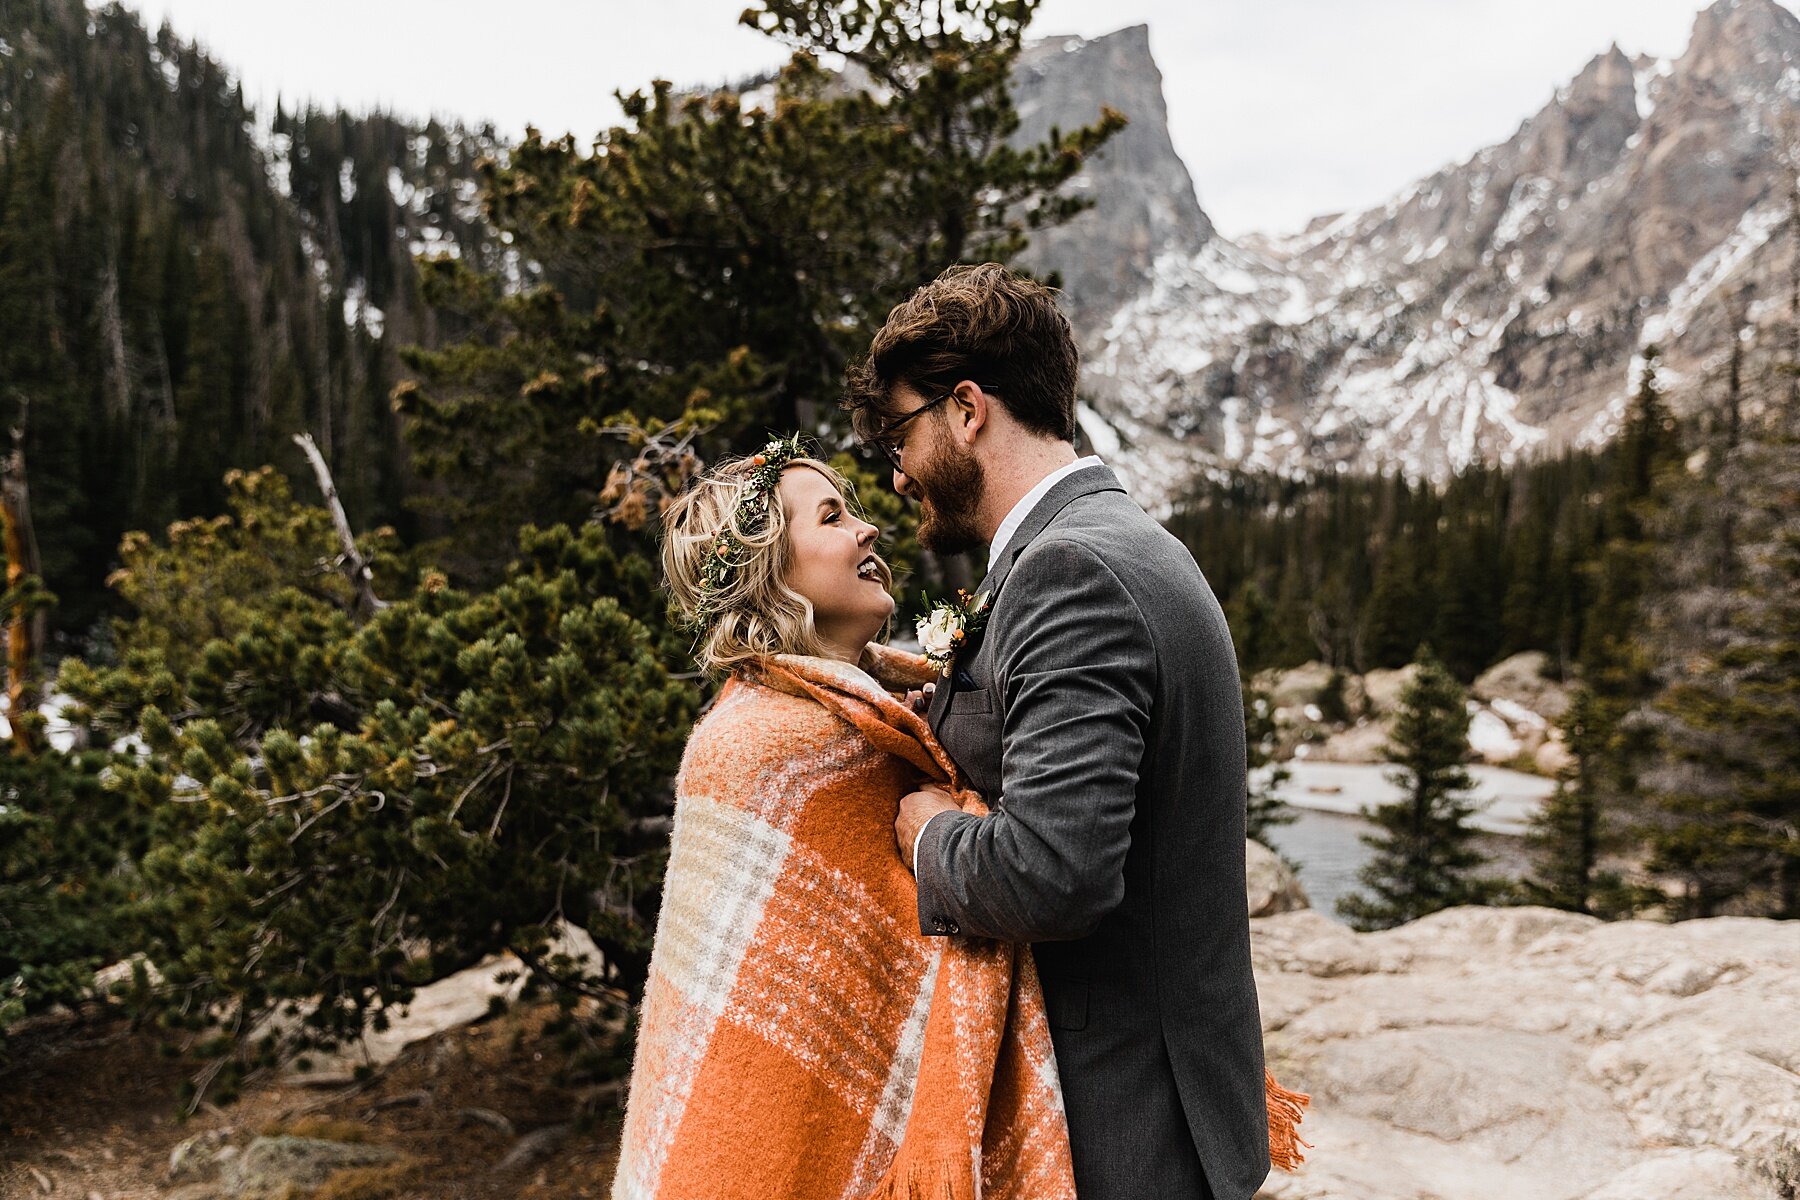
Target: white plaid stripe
890, 1116
783, 784
727, 862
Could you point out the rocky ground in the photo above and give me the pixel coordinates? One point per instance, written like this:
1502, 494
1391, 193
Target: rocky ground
467, 1113
1504, 1053
1530, 1054
1514, 707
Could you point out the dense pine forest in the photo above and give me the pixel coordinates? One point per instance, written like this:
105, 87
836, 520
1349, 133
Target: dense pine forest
308, 768
187, 283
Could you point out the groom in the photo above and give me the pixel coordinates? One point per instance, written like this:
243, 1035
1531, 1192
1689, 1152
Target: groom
1099, 713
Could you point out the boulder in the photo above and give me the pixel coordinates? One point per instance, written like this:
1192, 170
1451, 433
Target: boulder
1364, 742
1552, 758
1273, 886
197, 1158
1524, 679
1381, 689
273, 1167
1297, 687
447, 1003
1491, 739
1509, 1052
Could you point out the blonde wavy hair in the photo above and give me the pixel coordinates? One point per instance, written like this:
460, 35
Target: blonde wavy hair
755, 614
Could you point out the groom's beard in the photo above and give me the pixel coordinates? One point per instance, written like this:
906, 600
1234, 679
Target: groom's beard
950, 485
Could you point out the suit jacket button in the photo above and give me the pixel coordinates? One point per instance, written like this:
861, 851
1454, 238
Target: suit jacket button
951, 927
939, 925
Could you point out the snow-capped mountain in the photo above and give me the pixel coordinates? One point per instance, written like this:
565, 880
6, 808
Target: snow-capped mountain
1496, 308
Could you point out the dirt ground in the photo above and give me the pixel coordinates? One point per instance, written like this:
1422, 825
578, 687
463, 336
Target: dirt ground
89, 1110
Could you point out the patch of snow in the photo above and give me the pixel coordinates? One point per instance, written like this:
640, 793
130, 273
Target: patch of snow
1102, 437
1518, 714
170, 70
1646, 81
57, 729
1231, 415
1604, 423
315, 261
358, 310
758, 99
1418, 254
1491, 737
1712, 269
399, 191
466, 194
1529, 192
434, 242
346, 181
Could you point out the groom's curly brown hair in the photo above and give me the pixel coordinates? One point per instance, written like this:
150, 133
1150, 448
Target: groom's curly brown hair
977, 322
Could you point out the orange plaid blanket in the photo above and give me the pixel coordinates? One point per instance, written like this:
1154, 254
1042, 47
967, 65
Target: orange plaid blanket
799, 1037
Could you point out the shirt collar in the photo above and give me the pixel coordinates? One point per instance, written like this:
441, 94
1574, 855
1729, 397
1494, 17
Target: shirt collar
1028, 501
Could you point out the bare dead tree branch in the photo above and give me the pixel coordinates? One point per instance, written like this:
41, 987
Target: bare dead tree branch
355, 567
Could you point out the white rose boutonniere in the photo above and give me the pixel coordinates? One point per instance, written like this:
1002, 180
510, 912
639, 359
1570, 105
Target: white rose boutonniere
949, 624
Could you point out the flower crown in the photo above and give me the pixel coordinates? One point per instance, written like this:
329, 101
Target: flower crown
750, 517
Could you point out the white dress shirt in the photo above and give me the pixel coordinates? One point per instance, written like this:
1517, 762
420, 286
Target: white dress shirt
1003, 535
1028, 501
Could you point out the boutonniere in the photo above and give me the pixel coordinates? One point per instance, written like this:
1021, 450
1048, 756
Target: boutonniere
949, 625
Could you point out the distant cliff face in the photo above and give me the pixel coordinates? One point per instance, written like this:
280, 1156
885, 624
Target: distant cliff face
1144, 202
1496, 308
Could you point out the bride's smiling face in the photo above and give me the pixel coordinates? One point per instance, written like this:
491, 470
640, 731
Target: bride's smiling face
832, 562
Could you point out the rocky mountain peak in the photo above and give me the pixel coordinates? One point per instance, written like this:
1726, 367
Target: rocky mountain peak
1580, 133
1498, 307
1740, 44
1601, 81
1145, 199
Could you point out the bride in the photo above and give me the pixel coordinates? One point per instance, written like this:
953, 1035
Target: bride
799, 1036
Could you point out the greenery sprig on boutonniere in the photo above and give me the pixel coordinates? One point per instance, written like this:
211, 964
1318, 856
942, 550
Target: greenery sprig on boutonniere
948, 625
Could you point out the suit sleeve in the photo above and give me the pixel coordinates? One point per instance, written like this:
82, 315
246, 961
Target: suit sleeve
1079, 666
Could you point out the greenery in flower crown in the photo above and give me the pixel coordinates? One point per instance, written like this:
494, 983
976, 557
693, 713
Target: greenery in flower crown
749, 518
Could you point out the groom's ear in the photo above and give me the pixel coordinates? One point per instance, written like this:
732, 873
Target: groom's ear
970, 412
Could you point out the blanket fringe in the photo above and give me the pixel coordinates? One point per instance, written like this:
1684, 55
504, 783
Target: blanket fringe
939, 1180
1285, 1114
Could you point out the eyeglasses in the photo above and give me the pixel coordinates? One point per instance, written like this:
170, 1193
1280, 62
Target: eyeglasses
888, 444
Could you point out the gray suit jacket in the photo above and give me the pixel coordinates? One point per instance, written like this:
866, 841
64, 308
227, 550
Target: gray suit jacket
1100, 714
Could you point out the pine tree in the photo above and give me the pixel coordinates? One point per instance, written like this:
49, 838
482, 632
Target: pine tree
1571, 831
1391, 622
711, 266
1723, 781
1253, 631
66, 852
343, 811
1265, 808
1424, 852
1646, 451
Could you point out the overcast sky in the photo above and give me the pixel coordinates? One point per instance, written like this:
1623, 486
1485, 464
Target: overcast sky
1282, 109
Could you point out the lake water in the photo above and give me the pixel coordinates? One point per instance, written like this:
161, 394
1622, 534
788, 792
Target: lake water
1325, 838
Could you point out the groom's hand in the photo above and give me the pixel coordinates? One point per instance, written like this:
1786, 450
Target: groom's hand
916, 808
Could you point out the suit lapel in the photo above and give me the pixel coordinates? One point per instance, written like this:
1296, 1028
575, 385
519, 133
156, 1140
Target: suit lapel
1084, 482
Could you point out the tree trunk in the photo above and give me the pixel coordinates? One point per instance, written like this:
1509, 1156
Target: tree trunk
25, 624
